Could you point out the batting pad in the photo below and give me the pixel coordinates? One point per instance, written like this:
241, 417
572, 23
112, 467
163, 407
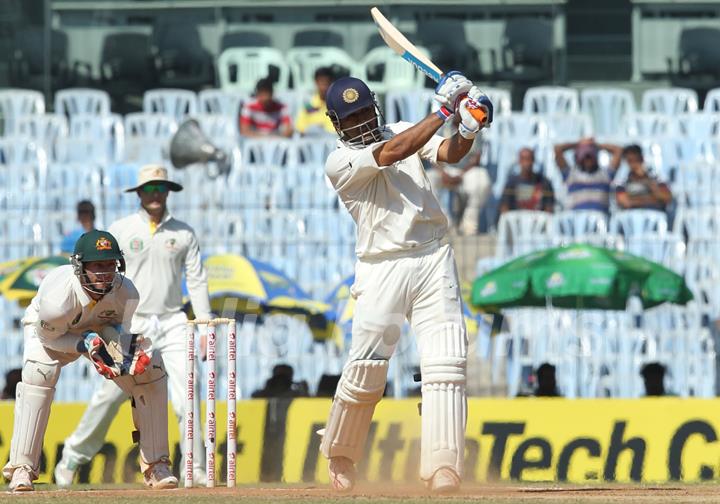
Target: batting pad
444, 402
360, 388
149, 411
32, 410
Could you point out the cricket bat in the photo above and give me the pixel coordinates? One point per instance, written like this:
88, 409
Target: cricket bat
396, 41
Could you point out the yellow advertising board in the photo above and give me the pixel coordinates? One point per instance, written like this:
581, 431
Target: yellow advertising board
649, 440
117, 460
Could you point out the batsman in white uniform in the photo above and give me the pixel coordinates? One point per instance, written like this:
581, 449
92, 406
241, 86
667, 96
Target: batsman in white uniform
84, 309
157, 248
404, 271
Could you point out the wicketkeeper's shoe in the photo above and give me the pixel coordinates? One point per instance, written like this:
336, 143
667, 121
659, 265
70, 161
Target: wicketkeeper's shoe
21, 480
342, 473
64, 473
160, 477
445, 480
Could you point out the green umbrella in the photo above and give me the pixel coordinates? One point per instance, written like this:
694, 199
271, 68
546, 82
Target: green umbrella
578, 276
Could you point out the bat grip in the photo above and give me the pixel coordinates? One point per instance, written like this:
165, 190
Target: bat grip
478, 113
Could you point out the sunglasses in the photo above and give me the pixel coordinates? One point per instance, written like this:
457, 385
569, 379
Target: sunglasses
153, 188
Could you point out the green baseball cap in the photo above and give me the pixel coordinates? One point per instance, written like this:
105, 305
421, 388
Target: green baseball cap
97, 245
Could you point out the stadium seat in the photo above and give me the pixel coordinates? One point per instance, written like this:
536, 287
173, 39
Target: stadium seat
244, 39
147, 136
629, 223
127, 68
672, 101
292, 99
383, 70
318, 38
239, 69
697, 184
580, 226
501, 100
410, 106
74, 101
266, 151
15, 104
569, 127
221, 129
642, 124
100, 138
44, 129
549, 100
527, 51
521, 232
177, 103
712, 102
181, 60
217, 101
303, 61
17, 151
607, 107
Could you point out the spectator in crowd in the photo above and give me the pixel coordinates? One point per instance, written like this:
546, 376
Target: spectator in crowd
12, 378
86, 219
472, 184
642, 189
312, 118
527, 190
588, 185
264, 116
546, 381
653, 374
281, 384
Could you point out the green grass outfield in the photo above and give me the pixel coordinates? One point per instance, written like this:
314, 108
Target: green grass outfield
511, 493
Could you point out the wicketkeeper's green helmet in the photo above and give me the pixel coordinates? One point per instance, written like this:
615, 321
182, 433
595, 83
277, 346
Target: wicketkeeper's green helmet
94, 246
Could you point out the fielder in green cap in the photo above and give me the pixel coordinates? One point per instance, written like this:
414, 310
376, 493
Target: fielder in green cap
86, 309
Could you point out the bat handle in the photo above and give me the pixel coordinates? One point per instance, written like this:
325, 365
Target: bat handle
478, 113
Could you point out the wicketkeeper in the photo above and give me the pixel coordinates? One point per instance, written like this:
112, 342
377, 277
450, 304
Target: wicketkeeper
86, 309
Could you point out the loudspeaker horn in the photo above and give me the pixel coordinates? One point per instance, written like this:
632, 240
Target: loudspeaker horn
189, 145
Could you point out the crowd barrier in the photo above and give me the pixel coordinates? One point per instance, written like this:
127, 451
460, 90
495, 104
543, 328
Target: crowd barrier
582, 441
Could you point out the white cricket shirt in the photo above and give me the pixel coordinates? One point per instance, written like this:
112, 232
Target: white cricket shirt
393, 206
155, 257
62, 311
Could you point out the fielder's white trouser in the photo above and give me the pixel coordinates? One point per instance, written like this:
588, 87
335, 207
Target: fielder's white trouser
474, 190
41, 371
423, 287
168, 340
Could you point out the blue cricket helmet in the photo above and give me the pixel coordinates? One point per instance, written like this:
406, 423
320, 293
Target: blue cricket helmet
347, 95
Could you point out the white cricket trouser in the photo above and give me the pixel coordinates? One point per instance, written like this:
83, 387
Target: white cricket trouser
420, 286
474, 190
41, 371
88, 437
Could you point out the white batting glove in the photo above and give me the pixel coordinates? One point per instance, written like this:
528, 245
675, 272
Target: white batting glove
482, 101
448, 91
469, 126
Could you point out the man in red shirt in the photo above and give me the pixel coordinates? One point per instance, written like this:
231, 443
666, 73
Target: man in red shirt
265, 116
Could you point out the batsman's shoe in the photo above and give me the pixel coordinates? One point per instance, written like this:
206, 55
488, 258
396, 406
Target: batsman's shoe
160, 477
342, 473
21, 480
64, 473
445, 480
